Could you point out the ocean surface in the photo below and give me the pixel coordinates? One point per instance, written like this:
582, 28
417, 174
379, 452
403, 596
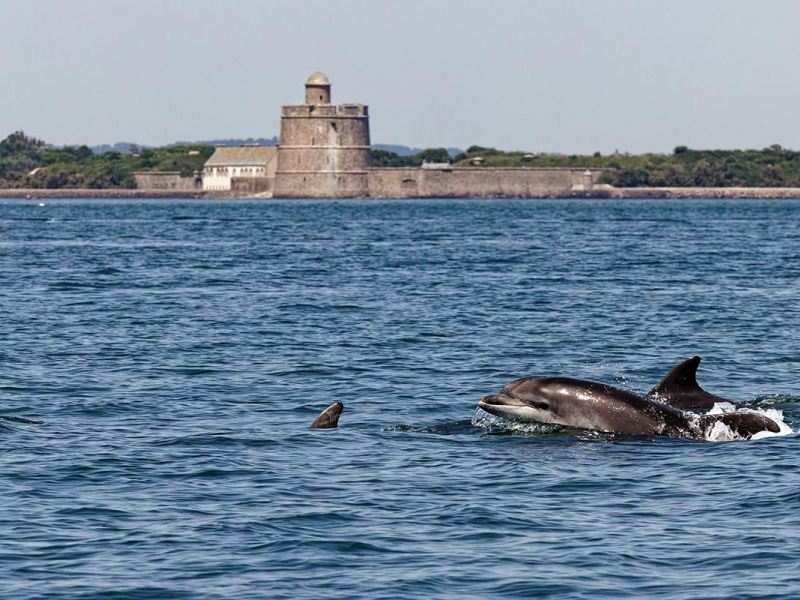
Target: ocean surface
161, 361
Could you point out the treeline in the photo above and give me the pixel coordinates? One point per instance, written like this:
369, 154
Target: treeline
771, 167
26, 162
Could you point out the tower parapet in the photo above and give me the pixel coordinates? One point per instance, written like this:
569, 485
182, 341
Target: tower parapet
324, 149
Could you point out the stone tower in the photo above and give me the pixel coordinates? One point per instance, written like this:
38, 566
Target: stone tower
324, 149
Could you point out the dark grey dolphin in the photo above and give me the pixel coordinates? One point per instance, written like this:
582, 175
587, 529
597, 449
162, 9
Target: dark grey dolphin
328, 418
680, 389
601, 407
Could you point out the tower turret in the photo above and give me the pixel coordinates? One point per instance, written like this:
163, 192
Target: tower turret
318, 89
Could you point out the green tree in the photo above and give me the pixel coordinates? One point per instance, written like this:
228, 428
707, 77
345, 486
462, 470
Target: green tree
707, 174
669, 176
19, 143
630, 178
771, 177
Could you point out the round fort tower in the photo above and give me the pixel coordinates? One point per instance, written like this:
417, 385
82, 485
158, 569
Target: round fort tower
324, 149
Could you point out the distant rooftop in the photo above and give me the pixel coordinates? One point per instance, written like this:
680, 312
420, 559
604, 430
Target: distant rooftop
248, 156
318, 79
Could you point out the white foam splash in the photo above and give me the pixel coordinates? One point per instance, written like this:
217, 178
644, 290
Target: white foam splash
490, 422
722, 433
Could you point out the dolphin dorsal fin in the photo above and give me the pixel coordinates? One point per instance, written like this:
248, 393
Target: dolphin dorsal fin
328, 418
682, 378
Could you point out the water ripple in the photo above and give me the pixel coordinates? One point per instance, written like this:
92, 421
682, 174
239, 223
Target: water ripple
161, 362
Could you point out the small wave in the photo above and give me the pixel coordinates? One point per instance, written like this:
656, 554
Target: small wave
219, 282
93, 511
205, 440
501, 260
20, 420
192, 371
455, 428
61, 286
775, 399
299, 306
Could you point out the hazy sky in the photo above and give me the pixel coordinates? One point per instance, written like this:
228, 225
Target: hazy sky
544, 76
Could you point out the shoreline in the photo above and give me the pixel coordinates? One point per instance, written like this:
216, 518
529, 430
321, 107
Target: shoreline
688, 193
36, 194
639, 193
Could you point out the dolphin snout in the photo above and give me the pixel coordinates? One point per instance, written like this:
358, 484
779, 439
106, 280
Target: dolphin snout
500, 400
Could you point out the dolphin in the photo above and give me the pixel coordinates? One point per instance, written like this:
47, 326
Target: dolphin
679, 388
328, 418
601, 407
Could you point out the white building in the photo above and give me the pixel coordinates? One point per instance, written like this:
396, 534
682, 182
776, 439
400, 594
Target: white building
250, 160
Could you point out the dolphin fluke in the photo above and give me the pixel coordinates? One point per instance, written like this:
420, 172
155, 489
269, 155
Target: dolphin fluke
328, 418
680, 389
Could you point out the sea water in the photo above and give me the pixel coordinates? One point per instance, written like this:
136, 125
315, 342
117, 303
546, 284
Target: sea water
160, 362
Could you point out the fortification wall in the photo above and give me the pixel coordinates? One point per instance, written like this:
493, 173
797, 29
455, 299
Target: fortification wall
324, 152
166, 180
478, 182
248, 186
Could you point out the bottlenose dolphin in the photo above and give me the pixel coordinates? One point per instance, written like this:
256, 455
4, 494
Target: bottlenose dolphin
328, 418
680, 389
601, 407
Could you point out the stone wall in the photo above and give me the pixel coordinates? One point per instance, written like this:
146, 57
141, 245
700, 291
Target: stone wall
249, 186
478, 182
166, 180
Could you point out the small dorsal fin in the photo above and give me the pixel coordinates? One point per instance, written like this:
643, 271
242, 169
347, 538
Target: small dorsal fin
328, 418
682, 378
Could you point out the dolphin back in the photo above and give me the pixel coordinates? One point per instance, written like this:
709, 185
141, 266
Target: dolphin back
743, 424
328, 418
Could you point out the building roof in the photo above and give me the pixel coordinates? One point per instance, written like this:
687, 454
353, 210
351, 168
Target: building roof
318, 79
245, 156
